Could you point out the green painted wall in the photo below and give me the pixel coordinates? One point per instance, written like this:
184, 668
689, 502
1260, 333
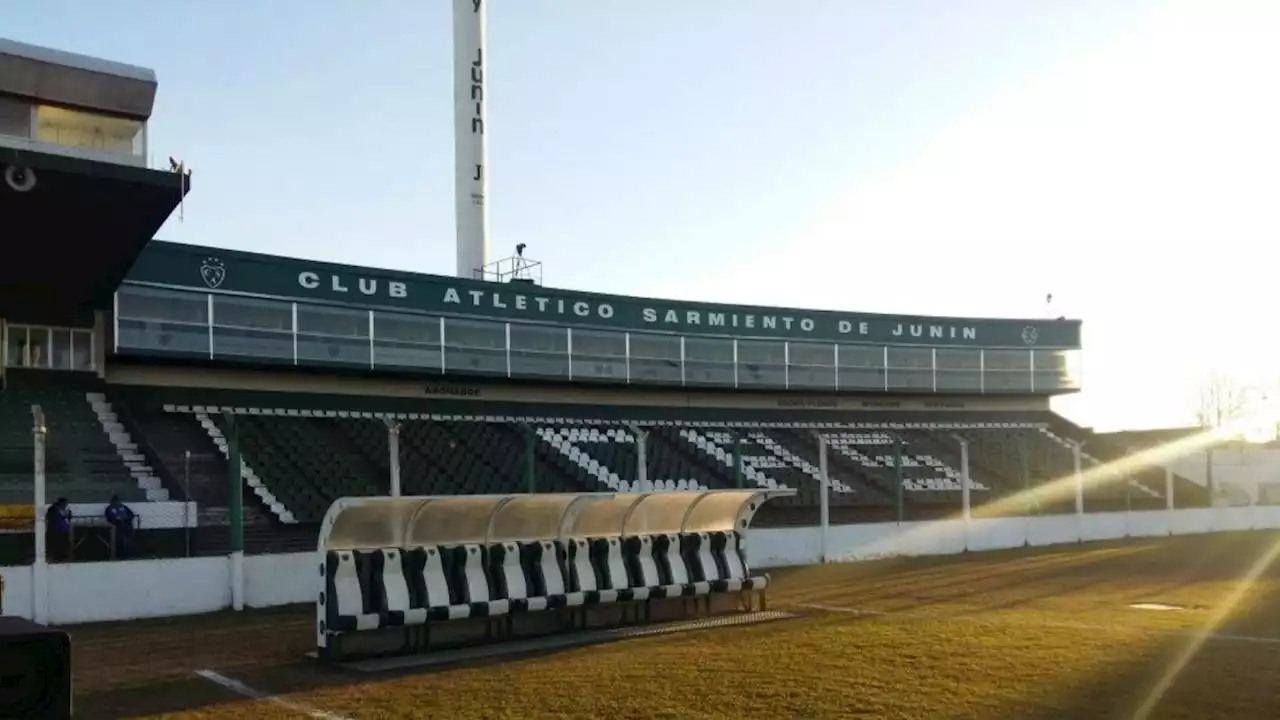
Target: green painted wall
206, 269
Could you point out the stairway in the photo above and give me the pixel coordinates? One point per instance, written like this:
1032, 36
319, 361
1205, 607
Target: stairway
141, 472
250, 477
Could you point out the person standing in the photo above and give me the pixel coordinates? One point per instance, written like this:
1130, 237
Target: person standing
58, 530
121, 517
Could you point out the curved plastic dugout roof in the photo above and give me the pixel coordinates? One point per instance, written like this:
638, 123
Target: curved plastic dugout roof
363, 523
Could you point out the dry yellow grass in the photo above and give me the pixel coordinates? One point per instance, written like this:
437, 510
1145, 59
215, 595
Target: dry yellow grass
1020, 634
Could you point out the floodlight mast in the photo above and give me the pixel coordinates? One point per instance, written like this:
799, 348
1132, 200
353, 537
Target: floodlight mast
471, 181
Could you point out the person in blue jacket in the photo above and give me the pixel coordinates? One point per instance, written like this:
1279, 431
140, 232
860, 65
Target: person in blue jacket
121, 517
57, 530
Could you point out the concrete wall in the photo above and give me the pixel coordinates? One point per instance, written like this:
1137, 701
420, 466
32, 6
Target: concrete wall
91, 592
802, 546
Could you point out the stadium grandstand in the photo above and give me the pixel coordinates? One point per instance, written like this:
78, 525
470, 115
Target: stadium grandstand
141, 353
293, 410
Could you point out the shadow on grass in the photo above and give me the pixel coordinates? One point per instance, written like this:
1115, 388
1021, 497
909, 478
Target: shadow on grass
147, 668
275, 673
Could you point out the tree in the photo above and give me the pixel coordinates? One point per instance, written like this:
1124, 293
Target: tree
1223, 400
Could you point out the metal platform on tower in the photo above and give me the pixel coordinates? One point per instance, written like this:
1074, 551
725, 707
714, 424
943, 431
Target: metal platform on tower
514, 269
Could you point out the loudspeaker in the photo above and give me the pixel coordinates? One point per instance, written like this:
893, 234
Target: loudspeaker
35, 671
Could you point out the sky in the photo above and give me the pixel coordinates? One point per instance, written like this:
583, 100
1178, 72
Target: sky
908, 156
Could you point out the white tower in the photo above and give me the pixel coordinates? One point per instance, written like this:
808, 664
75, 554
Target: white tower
470, 148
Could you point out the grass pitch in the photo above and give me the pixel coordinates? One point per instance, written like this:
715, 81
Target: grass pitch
1033, 634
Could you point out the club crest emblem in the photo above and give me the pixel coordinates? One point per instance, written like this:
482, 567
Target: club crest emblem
212, 272
1030, 335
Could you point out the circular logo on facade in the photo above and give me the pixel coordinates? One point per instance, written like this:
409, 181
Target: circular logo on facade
1030, 335
213, 272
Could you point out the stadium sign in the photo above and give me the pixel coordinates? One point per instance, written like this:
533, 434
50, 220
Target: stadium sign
212, 270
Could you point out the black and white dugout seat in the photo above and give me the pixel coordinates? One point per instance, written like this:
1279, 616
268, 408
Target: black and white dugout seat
398, 574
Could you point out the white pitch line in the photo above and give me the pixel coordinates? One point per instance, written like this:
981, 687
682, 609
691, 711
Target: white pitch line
243, 690
1225, 637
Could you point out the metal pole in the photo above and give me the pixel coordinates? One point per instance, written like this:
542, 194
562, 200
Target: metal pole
40, 567
1077, 458
824, 507
1031, 502
531, 482
737, 461
966, 484
186, 494
898, 500
1208, 475
642, 458
236, 519
1168, 489
393, 449
1077, 452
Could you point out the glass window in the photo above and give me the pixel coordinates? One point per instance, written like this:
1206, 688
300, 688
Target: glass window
475, 334
60, 350
708, 362
959, 370
712, 350
605, 369
185, 338
1007, 370
410, 342
656, 347
959, 359
861, 356
392, 354
253, 328
1007, 359
144, 303
596, 343
334, 321
910, 368
15, 117
48, 348
813, 365
536, 338
1055, 370
421, 329
910, 358
821, 354
82, 349
475, 346
240, 312
539, 364
16, 346
38, 341
655, 359
75, 128
539, 351
811, 377
333, 335
861, 367
762, 363
599, 355
162, 320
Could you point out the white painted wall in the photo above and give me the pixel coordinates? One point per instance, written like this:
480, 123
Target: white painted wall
781, 547
89, 592
94, 592
271, 580
18, 592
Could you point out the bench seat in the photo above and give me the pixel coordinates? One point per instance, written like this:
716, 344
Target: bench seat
366, 590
